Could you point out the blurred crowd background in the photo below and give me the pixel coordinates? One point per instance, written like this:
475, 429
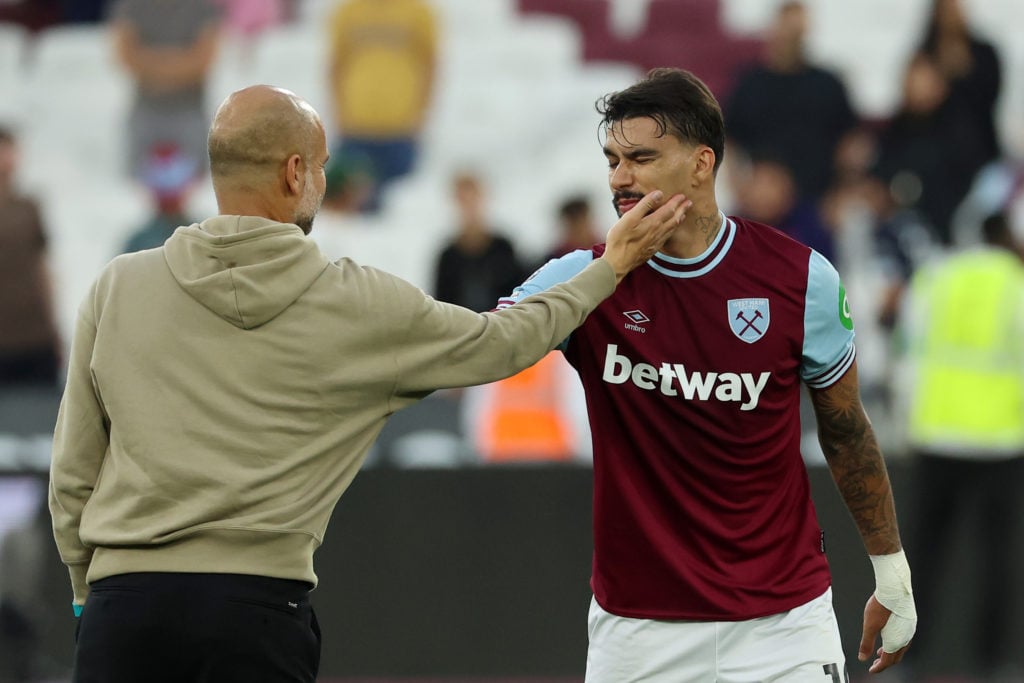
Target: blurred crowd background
887, 135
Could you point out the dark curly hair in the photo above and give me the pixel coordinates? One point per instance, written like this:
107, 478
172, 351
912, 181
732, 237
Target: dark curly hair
680, 103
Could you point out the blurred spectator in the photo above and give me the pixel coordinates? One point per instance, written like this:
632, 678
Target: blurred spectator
902, 241
537, 415
479, 265
349, 184
169, 176
29, 342
790, 109
168, 48
965, 323
576, 227
999, 186
767, 193
972, 68
249, 18
382, 62
929, 151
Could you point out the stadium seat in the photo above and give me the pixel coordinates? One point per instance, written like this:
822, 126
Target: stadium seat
457, 17
715, 59
682, 18
592, 17
77, 96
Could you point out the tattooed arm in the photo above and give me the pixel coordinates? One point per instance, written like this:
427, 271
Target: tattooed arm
855, 460
858, 469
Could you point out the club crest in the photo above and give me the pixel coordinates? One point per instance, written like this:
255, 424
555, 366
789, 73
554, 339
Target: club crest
749, 318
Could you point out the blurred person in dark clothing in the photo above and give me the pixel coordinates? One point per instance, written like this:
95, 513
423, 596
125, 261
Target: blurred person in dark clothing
768, 193
972, 68
29, 341
902, 242
576, 227
792, 109
479, 265
168, 174
930, 150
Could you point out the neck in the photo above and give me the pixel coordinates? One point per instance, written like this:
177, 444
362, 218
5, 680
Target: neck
786, 58
701, 226
247, 203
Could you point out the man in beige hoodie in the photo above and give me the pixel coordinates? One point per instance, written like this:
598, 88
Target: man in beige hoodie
224, 389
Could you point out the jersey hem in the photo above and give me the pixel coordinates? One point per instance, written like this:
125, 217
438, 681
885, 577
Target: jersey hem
683, 615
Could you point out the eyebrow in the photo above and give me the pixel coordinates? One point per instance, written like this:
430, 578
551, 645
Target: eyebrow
632, 153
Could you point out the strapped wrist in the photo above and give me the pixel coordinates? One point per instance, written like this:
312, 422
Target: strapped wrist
894, 591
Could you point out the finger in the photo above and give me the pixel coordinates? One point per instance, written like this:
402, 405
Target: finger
867, 643
650, 201
681, 210
883, 662
665, 216
887, 659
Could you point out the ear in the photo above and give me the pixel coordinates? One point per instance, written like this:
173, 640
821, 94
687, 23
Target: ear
703, 164
294, 174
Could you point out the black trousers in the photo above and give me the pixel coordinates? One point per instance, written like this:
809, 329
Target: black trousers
985, 499
197, 628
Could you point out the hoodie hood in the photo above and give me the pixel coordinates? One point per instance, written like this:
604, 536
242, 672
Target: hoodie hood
245, 269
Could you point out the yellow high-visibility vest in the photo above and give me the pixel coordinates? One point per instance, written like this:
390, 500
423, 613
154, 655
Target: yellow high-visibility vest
969, 354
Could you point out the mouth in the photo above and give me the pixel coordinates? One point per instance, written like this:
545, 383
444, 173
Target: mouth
624, 203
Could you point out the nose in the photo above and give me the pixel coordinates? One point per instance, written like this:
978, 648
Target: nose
620, 177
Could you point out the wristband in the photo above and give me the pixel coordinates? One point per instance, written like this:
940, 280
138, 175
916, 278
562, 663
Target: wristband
895, 593
77, 608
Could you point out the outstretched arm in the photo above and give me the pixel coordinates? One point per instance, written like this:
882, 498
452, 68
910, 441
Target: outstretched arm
851, 449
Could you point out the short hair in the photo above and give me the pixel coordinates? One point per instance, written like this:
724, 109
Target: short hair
995, 229
574, 207
680, 103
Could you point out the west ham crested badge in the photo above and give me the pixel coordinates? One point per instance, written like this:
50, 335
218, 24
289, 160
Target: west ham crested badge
749, 318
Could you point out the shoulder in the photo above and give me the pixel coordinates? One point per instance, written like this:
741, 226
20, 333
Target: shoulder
762, 234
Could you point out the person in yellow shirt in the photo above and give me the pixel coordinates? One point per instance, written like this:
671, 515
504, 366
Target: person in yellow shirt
965, 322
382, 63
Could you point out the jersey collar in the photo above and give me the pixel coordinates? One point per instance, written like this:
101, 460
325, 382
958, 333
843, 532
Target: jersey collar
699, 265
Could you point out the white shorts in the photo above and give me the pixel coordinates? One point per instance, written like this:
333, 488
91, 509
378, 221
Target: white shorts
798, 646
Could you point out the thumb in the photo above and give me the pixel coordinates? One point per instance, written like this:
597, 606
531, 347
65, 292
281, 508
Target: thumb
867, 644
650, 202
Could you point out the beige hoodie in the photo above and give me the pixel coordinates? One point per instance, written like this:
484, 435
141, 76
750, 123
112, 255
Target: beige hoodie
223, 391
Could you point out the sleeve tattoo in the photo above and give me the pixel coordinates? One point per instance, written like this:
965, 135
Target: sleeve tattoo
851, 450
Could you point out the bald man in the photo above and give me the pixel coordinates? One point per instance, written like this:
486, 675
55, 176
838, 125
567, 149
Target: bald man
224, 389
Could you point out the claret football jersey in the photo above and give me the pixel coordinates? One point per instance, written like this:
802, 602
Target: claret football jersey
692, 372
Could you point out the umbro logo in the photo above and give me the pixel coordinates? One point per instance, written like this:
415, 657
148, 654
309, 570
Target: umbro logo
638, 318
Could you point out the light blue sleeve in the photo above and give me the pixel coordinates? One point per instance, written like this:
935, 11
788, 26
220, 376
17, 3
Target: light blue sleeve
550, 274
828, 328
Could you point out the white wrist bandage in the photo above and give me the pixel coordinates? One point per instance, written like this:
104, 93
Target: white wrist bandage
893, 591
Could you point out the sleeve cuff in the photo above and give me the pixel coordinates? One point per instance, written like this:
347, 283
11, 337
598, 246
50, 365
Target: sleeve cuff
79, 585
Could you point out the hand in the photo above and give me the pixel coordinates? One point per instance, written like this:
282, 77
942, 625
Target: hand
875, 618
637, 236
